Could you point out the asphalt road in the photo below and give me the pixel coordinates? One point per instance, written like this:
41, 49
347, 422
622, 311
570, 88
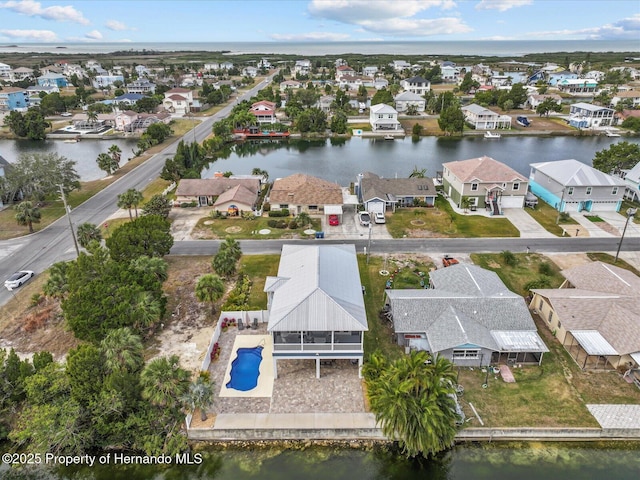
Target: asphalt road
39, 251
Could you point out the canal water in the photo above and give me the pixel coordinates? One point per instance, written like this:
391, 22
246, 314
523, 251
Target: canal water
542, 461
340, 160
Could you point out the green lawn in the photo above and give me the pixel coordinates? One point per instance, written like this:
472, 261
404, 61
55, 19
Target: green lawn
547, 216
258, 267
442, 221
626, 204
594, 218
239, 228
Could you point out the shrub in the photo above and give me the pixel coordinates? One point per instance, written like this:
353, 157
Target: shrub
188, 204
272, 223
215, 352
293, 224
279, 213
545, 269
564, 217
281, 224
541, 282
266, 207
417, 129
509, 258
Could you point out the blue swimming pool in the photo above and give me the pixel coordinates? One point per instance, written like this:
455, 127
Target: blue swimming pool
245, 369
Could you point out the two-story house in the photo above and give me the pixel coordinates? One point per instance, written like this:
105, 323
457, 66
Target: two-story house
344, 70
52, 79
406, 100
587, 115
417, 85
302, 67
178, 100
14, 98
316, 306
578, 86
482, 118
487, 183
572, 186
142, 86
384, 117
264, 111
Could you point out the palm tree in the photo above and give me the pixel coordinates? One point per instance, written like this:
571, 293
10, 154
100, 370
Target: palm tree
201, 394
57, 284
232, 246
151, 265
163, 381
418, 172
224, 263
465, 203
210, 288
106, 163
130, 199
88, 232
263, 173
122, 350
146, 310
413, 400
27, 214
92, 116
115, 153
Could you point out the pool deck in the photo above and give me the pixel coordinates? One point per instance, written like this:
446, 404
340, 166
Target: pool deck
265, 379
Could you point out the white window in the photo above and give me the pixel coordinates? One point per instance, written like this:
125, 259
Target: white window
516, 186
570, 191
474, 187
588, 192
614, 191
465, 354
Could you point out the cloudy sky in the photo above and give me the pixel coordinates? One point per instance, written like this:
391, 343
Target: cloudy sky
316, 20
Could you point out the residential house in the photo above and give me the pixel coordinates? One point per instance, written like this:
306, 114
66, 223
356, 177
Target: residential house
482, 118
130, 121
595, 315
208, 191
142, 71
380, 82
36, 90
21, 73
178, 100
578, 86
536, 99
70, 69
384, 117
250, 72
596, 75
226, 66
351, 82
106, 80
557, 78
486, 182
103, 122
14, 98
500, 79
303, 193
468, 316
449, 73
142, 86
294, 84
417, 85
5, 70
324, 103
340, 62
264, 111
52, 79
316, 307
264, 63
370, 71
344, 70
405, 100
630, 98
587, 115
381, 194
127, 99
572, 186
212, 66
302, 67
400, 65
632, 179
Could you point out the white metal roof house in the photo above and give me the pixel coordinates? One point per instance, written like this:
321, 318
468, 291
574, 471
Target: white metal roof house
406, 99
384, 117
632, 179
594, 315
572, 186
315, 303
586, 115
468, 316
482, 118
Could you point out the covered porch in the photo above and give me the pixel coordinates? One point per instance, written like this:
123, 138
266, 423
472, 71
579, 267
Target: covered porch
590, 350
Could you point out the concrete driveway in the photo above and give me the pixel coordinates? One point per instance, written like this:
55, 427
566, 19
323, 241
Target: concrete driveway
527, 225
350, 228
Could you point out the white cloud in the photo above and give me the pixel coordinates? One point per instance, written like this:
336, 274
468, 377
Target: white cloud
37, 35
310, 36
502, 5
93, 35
393, 18
55, 12
116, 26
626, 28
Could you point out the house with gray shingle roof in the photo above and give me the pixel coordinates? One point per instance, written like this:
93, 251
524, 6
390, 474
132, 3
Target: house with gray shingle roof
380, 194
315, 303
482, 118
469, 316
486, 182
304, 193
572, 186
595, 315
206, 191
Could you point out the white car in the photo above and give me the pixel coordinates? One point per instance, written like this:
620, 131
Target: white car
364, 218
66, 114
378, 217
18, 279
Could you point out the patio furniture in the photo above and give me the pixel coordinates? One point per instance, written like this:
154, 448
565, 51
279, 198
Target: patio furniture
254, 325
240, 324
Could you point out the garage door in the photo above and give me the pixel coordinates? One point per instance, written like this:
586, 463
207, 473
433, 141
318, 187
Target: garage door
512, 201
375, 207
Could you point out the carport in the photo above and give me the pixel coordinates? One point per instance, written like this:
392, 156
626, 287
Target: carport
333, 210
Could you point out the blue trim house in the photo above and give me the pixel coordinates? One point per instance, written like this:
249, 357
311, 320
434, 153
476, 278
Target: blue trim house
14, 98
52, 80
572, 186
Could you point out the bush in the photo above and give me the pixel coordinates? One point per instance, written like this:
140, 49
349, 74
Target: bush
541, 282
417, 129
545, 269
509, 258
293, 224
281, 224
272, 223
564, 217
279, 213
266, 207
188, 204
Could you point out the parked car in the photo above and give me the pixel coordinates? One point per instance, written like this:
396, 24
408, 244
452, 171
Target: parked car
364, 218
18, 279
334, 220
66, 114
378, 217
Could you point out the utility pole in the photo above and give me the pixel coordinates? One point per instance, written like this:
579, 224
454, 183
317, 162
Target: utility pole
630, 214
68, 211
369, 243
